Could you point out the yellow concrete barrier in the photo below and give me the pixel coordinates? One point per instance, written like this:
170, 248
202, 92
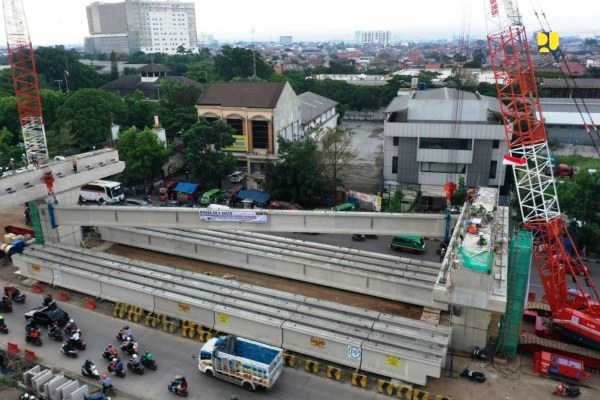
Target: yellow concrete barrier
119, 309
404, 392
385, 387
204, 336
135, 313
440, 397
420, 395
289, 360
334, 373
311, 366
359, 380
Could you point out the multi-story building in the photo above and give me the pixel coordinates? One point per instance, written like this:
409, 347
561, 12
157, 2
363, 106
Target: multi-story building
150, 26
260, 112
439, 135
285, 40
318, 113
374, 37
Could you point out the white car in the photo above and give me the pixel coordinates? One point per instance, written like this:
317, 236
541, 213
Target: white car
237, 176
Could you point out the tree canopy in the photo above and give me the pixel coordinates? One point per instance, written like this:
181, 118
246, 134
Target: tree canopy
144, 155
238, 62
296, 176
204, 143
336, 154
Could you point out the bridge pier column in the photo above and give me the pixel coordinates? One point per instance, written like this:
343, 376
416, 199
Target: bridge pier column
66, 234
470, 328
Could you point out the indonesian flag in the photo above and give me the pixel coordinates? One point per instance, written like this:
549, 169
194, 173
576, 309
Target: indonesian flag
514, 161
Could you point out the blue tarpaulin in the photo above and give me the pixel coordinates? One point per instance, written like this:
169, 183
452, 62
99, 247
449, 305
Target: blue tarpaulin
256, 196
185, 187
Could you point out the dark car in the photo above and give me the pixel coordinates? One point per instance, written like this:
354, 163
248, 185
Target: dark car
171, 203
45, 316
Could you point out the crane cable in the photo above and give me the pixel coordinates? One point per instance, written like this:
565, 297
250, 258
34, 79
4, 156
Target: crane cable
559, 53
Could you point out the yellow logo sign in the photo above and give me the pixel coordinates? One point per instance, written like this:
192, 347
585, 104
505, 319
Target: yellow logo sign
547, 41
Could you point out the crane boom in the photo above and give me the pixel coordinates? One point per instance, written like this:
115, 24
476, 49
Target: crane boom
575, 313
25, 80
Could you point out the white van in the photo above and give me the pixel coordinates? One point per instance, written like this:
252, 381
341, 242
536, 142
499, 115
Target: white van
108, 192
237, 176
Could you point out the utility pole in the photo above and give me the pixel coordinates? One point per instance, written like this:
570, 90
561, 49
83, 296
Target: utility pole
253, 53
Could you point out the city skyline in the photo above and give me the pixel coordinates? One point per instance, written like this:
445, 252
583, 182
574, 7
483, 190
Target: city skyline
320, 21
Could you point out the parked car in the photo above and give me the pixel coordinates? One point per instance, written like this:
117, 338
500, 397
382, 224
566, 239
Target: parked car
171, 203
45, 316
137, 202
237, 176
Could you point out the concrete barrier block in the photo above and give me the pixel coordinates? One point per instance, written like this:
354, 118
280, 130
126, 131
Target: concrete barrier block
385, 387
52, 386
80, 393
27, 375
37, 382
359, 380
69, 388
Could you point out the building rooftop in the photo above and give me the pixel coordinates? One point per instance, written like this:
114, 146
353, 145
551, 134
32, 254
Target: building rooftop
242, 94
589, 83
565, 111
313, 105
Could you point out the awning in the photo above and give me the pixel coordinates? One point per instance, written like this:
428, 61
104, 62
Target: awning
256, 196
185, 187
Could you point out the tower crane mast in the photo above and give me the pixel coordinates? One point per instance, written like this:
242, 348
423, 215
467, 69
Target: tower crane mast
25, 80
576, 314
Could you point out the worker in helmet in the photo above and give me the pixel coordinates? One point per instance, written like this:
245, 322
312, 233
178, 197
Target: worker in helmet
106, 383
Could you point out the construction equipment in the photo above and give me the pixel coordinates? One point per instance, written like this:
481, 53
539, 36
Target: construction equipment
577, 317
560, 366
25, 80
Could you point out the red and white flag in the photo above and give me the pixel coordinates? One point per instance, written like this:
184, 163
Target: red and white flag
514, 161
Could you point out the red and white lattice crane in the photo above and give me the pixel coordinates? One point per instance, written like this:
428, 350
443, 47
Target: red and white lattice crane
575, 313
25, 80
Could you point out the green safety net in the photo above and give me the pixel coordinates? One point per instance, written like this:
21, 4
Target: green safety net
519, 259
478, 261
35, 220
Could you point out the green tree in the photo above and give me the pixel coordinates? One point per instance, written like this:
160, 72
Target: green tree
396, 201
204, 143
9, 115
91, 112
336, 154
238, 62
9, 149
57, 64
202, 71
140, 112
61, 142
296, 176
114, 67
51, 100
462, 79
144, 155
175, 94
460, 194
177, 120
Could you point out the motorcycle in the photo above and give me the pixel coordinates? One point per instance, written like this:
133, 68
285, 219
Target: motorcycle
129, 349
173, 389
18, 297
4, 329
6, 306
148, 362
55, 333
107, 355
69, 351
359, 237
569, 391
138, 368
89, 369
473, 376
33, 337
78, 344
70, 328
121, 336
121, 373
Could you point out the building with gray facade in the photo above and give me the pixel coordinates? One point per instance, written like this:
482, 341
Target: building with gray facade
317, 113
151, 26
373, 37
439, 135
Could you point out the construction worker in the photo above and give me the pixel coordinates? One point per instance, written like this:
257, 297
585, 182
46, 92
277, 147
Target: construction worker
74, 165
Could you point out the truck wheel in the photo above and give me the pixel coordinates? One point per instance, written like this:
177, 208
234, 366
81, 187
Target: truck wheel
248, 386
209, 373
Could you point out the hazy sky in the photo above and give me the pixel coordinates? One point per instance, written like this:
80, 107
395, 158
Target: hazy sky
65, 22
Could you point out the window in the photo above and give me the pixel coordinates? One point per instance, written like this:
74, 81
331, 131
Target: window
260, 134
236, 124
493, 168
495, 144
445, 143
396, 140
443, 167
394, 165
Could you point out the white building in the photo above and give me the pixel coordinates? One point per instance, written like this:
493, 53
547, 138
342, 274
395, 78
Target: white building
376, 37
151, 26
438, 135
317, 113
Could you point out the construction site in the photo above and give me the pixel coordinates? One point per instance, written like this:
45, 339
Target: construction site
468, 325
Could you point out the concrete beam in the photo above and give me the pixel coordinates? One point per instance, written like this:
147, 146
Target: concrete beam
27, 185
426, 225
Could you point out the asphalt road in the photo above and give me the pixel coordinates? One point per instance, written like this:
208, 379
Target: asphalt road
173, 354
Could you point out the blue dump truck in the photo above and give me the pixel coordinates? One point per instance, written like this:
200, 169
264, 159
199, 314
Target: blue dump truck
244, 362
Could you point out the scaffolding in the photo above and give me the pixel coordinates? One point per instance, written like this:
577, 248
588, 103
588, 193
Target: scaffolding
519, 259
35, 221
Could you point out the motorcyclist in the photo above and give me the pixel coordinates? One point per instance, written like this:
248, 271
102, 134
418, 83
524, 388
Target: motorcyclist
4, 302
68, 346
181, 384
33, 333
88, 365
3, 323
148, 356
48, 299
106, 383
31, 325
125, 333
116, 365
53, 330
135, 362
111, 350
129, 346
71, 326
76, 336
